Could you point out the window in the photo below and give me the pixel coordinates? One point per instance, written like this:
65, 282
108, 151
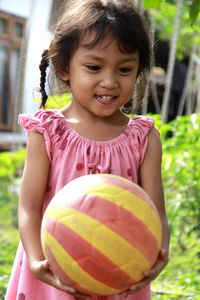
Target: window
11, 37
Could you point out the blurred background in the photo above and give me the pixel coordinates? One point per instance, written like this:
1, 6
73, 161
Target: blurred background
172, 97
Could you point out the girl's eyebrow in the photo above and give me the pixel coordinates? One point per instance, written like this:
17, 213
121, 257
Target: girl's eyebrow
98, 58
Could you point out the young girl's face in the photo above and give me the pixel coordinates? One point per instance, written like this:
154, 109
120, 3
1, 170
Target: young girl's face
101, 78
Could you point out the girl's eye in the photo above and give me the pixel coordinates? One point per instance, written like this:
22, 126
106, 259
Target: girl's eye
93, 67
125, 70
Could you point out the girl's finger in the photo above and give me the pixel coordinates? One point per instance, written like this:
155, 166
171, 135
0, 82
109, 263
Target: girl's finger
134, 288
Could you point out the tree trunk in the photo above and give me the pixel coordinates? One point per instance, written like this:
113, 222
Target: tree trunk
187, 86
197, 80
139, 5
166, 97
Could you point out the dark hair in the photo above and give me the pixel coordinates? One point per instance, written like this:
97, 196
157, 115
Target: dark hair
43, 66
118, 17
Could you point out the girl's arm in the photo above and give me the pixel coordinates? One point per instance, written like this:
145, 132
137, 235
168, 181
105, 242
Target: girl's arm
34, 183
151, 182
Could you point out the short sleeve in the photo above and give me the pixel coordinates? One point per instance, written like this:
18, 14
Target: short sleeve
40, 122
141, 126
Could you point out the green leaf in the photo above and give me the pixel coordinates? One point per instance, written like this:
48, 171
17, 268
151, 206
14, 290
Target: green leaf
194, 11
151, 3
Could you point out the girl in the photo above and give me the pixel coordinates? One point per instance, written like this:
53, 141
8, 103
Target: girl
99, 51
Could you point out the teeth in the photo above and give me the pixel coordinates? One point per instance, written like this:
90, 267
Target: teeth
106, 98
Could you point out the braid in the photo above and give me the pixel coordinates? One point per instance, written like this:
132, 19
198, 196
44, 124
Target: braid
43, 66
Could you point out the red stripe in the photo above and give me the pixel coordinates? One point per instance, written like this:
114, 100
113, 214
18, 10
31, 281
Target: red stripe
128, 186
88, 257
121, 221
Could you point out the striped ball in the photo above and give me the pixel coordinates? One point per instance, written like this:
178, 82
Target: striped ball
100, 233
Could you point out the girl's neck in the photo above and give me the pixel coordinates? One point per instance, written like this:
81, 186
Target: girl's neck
94, 127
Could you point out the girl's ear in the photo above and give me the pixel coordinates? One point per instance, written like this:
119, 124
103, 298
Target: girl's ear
64, 75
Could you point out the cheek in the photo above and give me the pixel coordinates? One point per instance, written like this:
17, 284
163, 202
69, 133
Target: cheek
77, 80
81, 77
129, 85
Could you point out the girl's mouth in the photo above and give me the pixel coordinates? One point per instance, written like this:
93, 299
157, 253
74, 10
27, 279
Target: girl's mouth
106, 100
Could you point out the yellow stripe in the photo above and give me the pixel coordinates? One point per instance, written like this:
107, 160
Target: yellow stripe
128, 258
74, 271
130, 202
114, 176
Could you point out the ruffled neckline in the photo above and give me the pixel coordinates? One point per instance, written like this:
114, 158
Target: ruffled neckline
137, 126
115, 140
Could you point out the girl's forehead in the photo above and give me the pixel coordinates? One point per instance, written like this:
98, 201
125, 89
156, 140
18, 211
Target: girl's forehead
89, 38
106, 51
89, 42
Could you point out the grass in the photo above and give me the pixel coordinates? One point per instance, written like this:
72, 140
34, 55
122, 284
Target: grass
181, 277
9, 239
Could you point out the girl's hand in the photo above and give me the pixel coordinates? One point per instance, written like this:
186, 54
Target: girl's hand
41, 271
150, 275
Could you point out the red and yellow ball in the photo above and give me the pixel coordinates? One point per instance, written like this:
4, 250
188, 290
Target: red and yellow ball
100, 233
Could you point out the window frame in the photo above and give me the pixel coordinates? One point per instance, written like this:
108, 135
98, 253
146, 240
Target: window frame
11, 42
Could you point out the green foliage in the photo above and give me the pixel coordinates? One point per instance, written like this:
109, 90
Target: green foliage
11, 163
56, 101
194, 11
181, 179
192, 6
9, 238
164, 21
181, 169
151, 3
180, 279
10, 172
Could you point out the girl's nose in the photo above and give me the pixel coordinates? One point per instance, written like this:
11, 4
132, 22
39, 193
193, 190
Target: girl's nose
109, 80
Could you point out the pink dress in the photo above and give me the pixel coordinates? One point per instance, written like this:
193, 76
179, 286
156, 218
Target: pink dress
71, 156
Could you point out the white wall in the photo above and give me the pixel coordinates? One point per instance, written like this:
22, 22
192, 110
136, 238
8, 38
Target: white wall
39, 38
21, 8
